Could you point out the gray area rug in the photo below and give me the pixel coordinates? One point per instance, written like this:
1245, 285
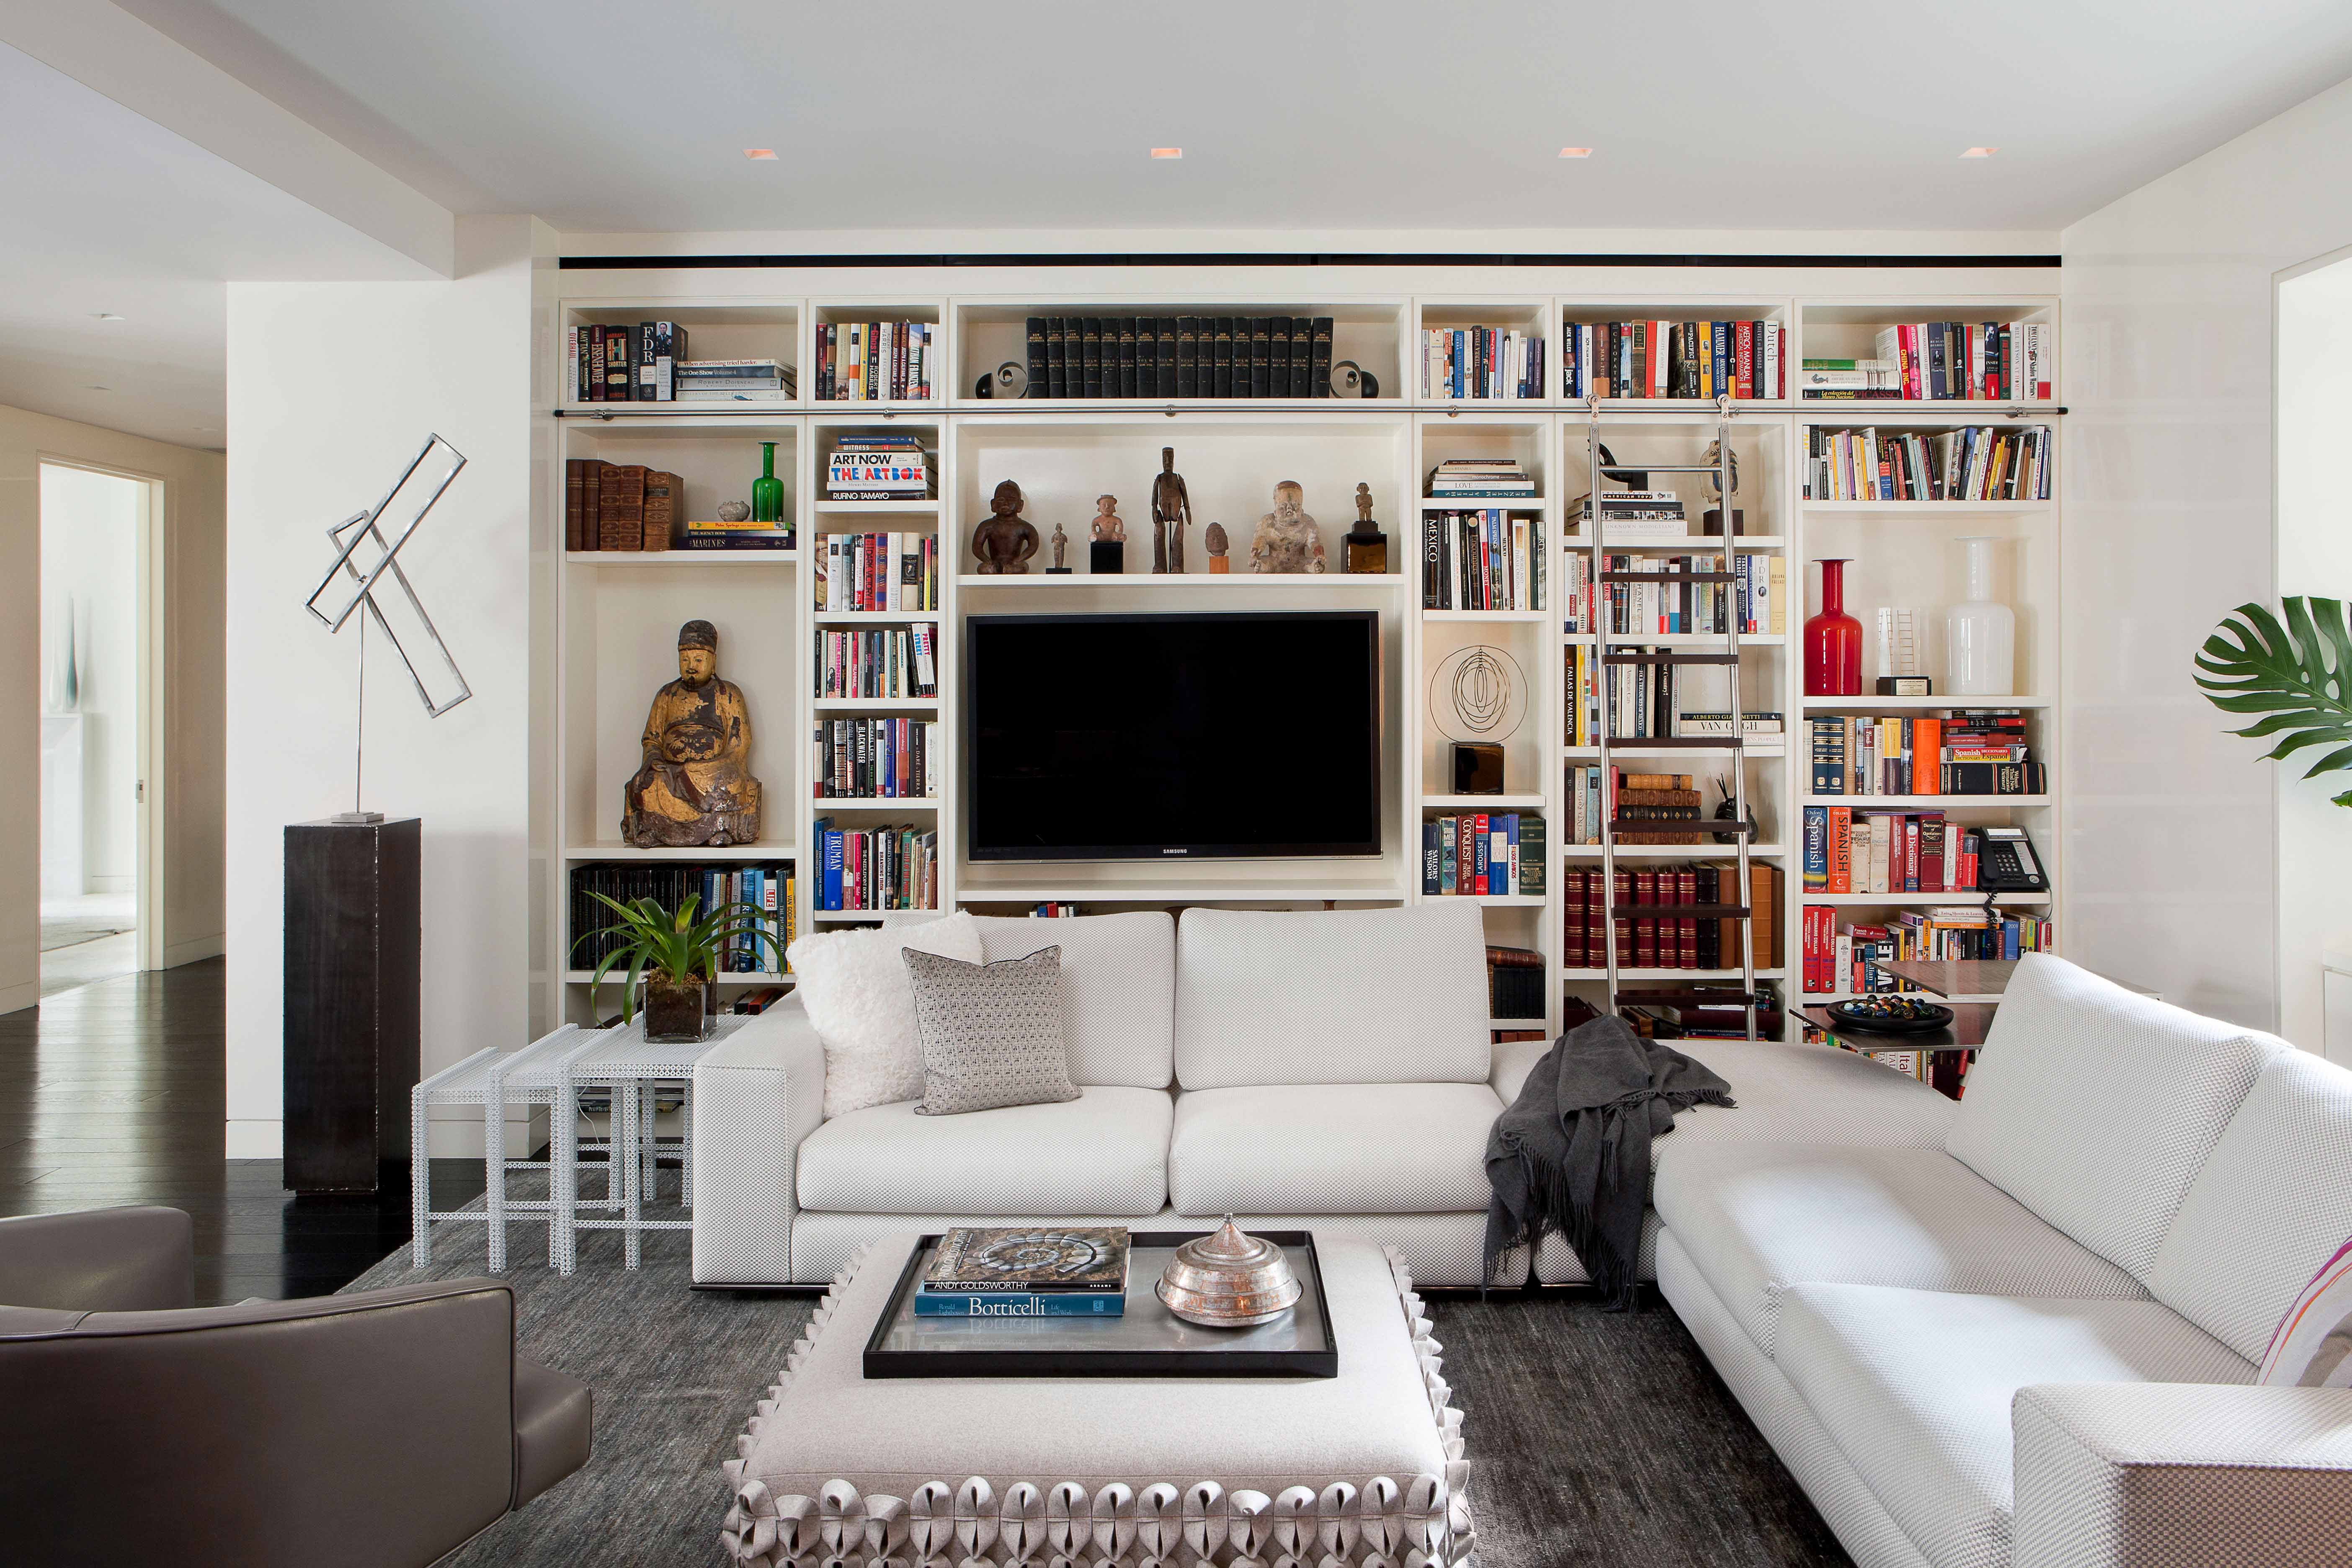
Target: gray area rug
1594, 1438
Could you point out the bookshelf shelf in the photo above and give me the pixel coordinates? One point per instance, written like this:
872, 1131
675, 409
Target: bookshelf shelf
826, 803
1497, 901
851, 917
1626, 972
616, 612
615, 980
1952, 900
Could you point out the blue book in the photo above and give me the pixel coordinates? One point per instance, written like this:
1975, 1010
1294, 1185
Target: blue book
1005, 1304
829, 890
1511, 853
1428, 858
1817, 847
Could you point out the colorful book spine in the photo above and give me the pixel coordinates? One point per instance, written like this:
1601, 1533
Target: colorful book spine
1008, 1304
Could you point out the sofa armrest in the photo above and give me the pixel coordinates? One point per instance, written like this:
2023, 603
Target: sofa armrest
100, 1260
1513, 1060
2149, 1474
756, 1096
376, 1427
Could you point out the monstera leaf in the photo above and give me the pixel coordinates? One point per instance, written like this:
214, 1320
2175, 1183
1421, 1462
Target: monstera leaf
2297, 675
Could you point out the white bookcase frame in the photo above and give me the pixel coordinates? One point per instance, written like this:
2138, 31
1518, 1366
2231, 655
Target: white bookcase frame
768, 618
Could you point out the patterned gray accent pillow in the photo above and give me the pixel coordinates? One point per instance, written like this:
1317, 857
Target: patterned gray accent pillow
991, 1032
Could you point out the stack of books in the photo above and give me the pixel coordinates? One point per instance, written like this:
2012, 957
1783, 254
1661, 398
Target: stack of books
1073, 1272
734, 381
877, 467
881, 868
1470, 479
619, 506
1674, 359
1480, 362
746, 534
1819, 377
1631, 515
1482, 854
870, 361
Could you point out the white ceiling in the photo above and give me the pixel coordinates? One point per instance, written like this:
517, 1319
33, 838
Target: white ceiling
613, 116
107, 212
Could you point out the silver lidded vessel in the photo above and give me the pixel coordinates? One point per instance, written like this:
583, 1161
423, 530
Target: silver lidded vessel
1229, 1280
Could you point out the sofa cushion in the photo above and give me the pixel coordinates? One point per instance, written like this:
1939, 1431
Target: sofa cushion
1105, 1152
1332, 996
854, 987
991, 1032
1756, 1218
1916, 1388
2273, 1203
2096, 1108
1805, 1094
1118, 990
1367, 1148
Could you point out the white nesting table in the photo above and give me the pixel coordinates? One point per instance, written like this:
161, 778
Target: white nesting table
630, 1068
1366, 1467
490, 1081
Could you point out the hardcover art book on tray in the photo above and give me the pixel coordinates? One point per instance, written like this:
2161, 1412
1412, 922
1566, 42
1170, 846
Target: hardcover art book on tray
1027, 1272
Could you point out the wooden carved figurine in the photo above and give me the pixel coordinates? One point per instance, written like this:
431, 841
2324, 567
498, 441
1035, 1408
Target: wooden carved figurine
1005, 541
1108, 526
1061, 549
1171, 514
694, 788
1286, 538
1214, 537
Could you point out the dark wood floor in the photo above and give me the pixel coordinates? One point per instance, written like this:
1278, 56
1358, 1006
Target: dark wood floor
114, 1093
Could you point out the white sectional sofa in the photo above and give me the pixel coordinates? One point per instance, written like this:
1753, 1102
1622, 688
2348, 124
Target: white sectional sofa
1319, 1070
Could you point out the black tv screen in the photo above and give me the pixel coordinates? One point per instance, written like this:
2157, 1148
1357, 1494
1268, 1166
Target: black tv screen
1153, 736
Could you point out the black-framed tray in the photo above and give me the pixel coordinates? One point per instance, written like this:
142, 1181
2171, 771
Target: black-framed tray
1890, 1015
1147, 1341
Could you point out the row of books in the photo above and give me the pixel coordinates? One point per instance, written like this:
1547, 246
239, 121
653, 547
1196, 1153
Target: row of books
877, 759
1645, 704
1850, 850
1943, 360
1850, 960
1757, 596
1946, 1072
881, 662
1647, 942
1483, 854
868, 361
647, 363
768, 887
718, 534
860, 572
1981, 462
619, 506
1481, 362
1489, 560
1672, 359
1481, 478
1180, 356
1662, 798
882, 868
878, 466
1517, 983
1965, 751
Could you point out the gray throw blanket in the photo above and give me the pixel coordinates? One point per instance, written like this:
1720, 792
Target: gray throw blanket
1571, 1155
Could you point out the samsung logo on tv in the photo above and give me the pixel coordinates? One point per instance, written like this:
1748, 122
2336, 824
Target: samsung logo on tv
1175, 851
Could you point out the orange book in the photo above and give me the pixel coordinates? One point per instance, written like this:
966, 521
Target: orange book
1841, 850
1927, 757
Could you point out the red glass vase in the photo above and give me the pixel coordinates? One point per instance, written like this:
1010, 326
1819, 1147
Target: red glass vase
1833, 641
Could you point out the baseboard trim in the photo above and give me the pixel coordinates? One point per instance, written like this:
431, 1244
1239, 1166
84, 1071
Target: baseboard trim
254, 1138
194, 951
17, 998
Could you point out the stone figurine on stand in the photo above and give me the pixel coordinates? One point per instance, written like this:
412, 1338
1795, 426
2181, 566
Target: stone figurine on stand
1171, 514
1288, 540
1004, 541
694, 787
1060, 567
1367, 546
1214, 538
1107, 551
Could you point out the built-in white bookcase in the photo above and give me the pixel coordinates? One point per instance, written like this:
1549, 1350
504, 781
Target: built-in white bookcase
616, 613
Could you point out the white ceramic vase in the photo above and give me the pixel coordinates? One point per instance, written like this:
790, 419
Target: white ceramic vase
1980, 635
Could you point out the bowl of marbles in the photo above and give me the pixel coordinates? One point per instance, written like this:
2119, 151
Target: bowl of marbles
1890, 1014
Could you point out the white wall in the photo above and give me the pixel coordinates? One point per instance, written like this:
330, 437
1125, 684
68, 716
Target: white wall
2172, 823
89, 591
331, 389
192, 801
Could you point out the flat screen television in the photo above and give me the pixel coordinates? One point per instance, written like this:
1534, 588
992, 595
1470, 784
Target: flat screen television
1154, 737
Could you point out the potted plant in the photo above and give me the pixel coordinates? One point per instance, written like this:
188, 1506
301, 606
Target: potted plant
2298, 675
673, 955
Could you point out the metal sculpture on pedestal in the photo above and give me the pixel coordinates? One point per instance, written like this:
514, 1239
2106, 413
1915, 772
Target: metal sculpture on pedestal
367, 556
1478, 699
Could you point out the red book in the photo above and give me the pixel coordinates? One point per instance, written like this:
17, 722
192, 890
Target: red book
1645, 930
1931, 854
1480, 826
1910, 854
1621, 927
1686, 931
1743, 349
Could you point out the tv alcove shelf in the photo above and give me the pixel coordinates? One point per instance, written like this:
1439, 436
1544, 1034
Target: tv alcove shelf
615, 615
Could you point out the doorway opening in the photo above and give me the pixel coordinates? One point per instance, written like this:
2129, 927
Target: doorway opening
98, 884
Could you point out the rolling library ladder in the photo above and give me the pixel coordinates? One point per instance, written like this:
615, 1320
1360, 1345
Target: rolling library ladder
1732, 744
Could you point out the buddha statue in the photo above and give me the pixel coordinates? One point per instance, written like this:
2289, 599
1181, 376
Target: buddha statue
694, 788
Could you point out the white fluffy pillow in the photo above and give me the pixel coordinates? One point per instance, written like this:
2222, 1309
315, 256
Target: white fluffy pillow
855, 989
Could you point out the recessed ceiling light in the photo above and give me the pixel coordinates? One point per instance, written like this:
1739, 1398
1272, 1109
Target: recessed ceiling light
1980, 152
1167, 152
761, 154
1576, 152
105, 316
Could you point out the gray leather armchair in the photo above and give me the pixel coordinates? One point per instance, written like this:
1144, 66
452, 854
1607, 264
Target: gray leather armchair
381, 1428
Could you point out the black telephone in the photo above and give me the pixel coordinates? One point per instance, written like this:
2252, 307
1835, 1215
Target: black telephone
2006, 863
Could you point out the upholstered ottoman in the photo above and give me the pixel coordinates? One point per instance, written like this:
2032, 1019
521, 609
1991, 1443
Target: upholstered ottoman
1366, 1467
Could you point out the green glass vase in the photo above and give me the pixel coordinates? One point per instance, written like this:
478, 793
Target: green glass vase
766, 491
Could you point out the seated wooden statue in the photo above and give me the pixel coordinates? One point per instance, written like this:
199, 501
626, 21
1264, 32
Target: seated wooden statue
694, 787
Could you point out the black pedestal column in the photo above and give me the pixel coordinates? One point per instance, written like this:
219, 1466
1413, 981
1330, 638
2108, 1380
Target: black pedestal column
353, 978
